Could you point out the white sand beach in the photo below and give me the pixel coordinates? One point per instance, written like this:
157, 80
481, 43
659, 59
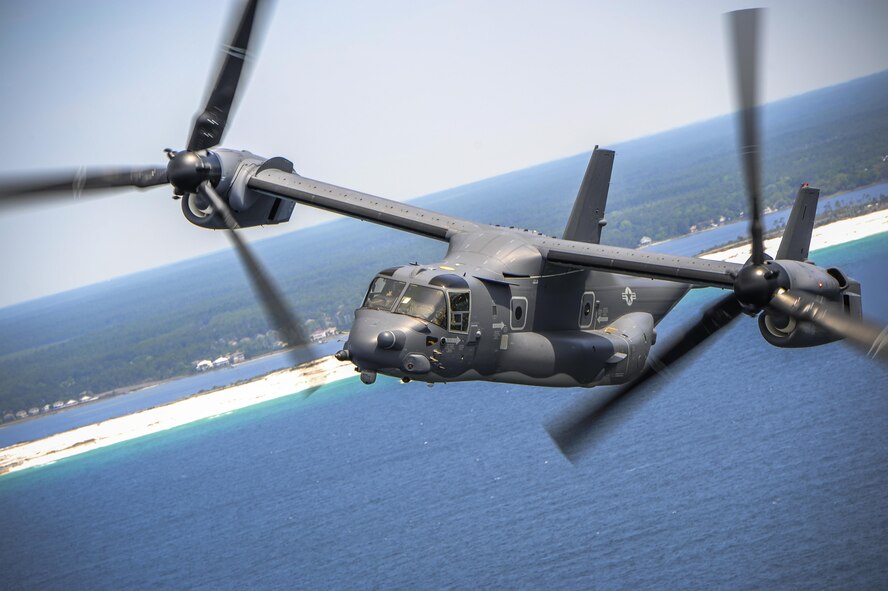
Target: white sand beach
828, 235
201, 406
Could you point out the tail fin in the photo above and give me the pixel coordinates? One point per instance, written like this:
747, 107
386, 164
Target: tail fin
797, 236
587, 217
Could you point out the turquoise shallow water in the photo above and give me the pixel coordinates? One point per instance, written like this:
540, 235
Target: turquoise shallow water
754, 468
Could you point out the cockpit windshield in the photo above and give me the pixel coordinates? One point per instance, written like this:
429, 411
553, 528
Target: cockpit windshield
383, 293
424, 303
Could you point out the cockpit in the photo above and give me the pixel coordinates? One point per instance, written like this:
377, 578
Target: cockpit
448, 308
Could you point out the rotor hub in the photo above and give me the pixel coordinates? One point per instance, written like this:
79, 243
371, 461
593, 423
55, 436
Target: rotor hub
756, 285
186, 170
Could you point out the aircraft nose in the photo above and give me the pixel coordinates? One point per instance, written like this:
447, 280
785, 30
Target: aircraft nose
392, 340
382, 340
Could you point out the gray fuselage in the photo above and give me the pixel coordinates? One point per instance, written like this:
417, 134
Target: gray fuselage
495, 310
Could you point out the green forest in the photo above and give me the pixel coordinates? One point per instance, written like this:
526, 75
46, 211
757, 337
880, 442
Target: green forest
157, 324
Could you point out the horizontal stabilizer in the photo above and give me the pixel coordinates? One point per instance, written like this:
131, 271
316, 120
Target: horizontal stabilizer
797, 236
587, 217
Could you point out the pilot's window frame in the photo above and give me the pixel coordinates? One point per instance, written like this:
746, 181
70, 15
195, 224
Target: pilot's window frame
466, 314
396, 288
407, 307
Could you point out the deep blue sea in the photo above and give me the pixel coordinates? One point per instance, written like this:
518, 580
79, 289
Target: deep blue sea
754, 468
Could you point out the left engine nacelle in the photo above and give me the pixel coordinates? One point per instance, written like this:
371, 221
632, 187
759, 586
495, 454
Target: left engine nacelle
830, 285
249, 207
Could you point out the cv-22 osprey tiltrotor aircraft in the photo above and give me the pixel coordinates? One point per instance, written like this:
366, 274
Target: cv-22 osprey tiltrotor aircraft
508, 304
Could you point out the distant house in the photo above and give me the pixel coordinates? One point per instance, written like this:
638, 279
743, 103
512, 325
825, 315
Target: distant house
21, 414
71, 403
33, 411
320, 335
58, 404
221, 362
237, 357
86, 398
645, 240
8, 417
203, 365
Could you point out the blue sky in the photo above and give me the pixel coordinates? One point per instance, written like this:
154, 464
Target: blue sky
399, 99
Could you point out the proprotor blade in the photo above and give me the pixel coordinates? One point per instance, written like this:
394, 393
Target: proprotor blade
209, 124
583, 426
61, 185
744, 26
868, 337
276, 311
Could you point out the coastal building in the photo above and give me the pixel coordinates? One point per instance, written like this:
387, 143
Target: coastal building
320, 335
8, 417
203, 365
33, 411
221, 362
58, 404
237, 357
21, 414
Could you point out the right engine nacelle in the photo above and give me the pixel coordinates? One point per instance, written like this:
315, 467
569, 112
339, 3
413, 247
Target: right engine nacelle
785, 332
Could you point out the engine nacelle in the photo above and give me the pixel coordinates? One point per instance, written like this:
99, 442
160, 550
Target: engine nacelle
827, 285
249, 207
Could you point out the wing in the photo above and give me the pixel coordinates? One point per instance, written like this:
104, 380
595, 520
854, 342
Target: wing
387, 212
643, 263
431, 224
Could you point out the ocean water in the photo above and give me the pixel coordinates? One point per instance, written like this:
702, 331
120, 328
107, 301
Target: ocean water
753, 468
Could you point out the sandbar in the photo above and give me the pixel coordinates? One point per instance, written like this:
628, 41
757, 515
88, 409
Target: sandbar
833, 234
174, 414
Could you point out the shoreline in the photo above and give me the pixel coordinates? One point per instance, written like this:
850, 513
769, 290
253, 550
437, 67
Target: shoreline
205, 405
142, 386
834, 234
324, 370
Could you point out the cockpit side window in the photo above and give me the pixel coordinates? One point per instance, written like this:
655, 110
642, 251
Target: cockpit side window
459, 310
383, 293
424, 303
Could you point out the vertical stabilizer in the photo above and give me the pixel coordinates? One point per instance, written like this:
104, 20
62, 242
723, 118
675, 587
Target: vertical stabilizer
587, 217
797, 236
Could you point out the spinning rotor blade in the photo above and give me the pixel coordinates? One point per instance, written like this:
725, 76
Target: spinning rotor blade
744, 29
866, 336
24, 189
573, 434
209, 124
276, 311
